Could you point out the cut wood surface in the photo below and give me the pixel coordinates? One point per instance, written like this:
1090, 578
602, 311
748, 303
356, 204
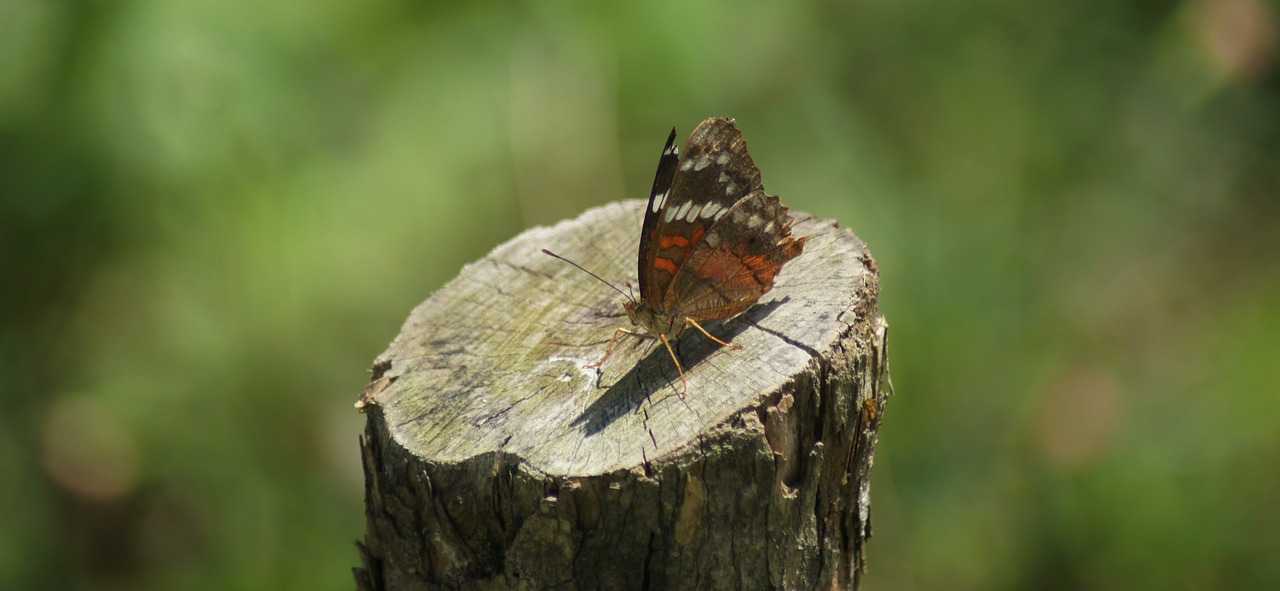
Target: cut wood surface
495, 458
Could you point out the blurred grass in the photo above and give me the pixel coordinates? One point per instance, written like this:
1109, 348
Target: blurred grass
214, 215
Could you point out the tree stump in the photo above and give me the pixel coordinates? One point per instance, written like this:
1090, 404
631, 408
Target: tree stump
495, 459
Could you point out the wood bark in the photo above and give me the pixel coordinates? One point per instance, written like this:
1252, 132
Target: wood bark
495, 458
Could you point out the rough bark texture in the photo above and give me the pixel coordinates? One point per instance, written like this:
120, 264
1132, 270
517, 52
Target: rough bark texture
494, 459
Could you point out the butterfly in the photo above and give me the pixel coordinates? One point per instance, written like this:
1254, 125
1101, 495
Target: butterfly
712, 241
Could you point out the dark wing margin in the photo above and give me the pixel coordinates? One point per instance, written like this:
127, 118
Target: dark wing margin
658, 198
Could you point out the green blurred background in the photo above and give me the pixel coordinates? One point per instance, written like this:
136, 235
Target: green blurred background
215, 214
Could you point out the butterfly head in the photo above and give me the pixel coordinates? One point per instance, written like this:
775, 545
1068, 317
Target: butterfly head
654, 322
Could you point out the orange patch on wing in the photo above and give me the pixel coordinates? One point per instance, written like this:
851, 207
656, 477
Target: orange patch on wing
673, 240
665, 265
715, 270
758, 263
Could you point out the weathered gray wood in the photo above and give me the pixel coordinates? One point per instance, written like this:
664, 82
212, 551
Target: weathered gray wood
495, 459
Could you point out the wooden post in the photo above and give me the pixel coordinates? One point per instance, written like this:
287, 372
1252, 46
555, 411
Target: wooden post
495, 459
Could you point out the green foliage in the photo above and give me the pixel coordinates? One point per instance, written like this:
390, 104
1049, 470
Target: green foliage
214, 215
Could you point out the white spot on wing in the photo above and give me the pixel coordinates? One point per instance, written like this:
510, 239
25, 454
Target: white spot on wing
692, 215
724, 178
709, 210
730, 189
684, 209
703, 162
723, 158
755, 222
679, 212
658, 201
686, 165
712, 240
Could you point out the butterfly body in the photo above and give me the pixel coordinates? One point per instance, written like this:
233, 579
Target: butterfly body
712, 241
655, 323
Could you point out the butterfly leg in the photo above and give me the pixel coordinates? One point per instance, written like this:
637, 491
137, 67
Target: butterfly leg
684, 384
704, 331
609, 350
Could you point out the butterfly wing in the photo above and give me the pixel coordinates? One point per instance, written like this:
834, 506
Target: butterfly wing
657, 199
737, 261
690, 193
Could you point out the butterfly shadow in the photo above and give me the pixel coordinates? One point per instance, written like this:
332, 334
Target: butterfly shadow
656, 373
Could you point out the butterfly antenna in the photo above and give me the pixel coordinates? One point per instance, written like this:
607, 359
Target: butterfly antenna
580, 268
